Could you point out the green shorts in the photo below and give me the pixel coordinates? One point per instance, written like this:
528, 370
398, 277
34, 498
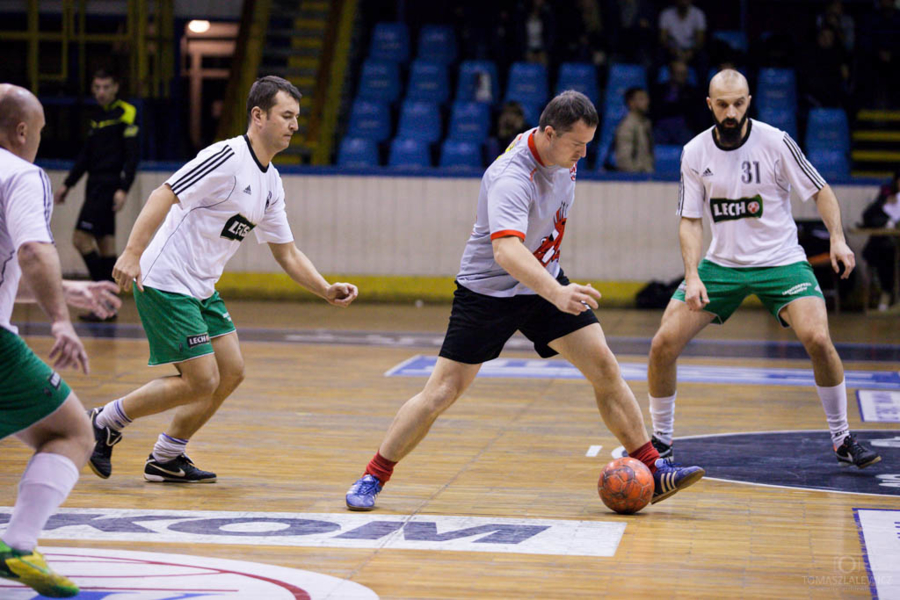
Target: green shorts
30, 389
776, 287
180, 327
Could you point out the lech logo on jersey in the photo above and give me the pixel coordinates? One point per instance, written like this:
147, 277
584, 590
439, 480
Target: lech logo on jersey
237, 228
724, 209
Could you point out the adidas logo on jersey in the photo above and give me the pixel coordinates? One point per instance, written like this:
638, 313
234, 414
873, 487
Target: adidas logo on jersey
247, 190
707, 173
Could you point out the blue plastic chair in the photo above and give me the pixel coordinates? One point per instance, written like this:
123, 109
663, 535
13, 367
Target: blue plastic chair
782, 118
409, 154
419, 121
428, 81
667, 158
776, 89
469, 122
828, 128
663, 75
437, 43
831, 164
527, 84
581, 77
468, 80
357, 152
457, 154
390, 42
734, 39
379, 81
370, 120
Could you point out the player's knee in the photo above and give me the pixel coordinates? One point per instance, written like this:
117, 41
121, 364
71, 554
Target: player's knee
663, 348
817, 342
203, 385
440, 397
84, 438
233, 376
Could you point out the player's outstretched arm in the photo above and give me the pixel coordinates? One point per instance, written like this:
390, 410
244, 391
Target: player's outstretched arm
830, 211
511, 254
690, 234
301, 270
128, 267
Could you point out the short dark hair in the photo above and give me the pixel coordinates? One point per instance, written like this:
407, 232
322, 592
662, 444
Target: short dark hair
264, 89
566, 109
105, 74
631, 92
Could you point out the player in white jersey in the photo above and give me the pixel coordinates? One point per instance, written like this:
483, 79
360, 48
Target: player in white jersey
510, 279
739, 174
203, 212
36, 405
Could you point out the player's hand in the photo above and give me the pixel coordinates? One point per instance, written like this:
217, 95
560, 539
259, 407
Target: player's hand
341, 294
575, 298
59, 196
68, 349
841, 253
695, 295
119, 200
99, 297
127, 270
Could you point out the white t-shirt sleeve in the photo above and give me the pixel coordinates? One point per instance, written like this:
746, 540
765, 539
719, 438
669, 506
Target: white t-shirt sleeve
209, 176
691, 193
509, 201
798, 171
699, 19
28, 207
274, 227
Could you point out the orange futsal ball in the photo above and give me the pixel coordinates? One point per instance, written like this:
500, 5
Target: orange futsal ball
626, 485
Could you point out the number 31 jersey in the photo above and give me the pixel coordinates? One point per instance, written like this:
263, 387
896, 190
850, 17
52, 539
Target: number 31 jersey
746, 194
223, 195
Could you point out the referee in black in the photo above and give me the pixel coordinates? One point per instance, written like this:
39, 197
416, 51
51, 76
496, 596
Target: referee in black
110, 158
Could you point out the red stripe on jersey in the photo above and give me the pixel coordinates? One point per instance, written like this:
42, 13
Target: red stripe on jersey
507, 233
534, 151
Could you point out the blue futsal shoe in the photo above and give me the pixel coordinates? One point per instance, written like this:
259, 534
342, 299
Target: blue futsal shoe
670, 478
361, 495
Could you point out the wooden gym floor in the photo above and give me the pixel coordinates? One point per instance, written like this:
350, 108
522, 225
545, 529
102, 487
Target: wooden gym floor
309, 416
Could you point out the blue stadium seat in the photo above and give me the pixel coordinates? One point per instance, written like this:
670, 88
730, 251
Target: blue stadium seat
409, 154
782, 118
663, 76
831, 164
468, 80
419, 120
734, 39
827, 128
469, 122
437, 43
379, 81
621, 77
668, 159
532, 113
370, 120
428, 81
581, 77
776, 89
390, 42
357, 152
457, 154
527, 83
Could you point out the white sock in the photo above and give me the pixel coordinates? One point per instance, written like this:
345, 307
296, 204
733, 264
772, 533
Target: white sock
113, 416
168, 448
662, 413
47, 481
834, 401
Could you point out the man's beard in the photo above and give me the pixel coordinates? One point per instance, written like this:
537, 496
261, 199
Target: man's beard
729, 130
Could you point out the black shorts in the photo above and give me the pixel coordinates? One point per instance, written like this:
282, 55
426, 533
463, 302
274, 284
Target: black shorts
97, 217
480, 325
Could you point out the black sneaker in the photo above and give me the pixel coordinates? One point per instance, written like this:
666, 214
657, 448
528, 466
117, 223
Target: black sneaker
179, 470
852, 452
664, 449
104, 440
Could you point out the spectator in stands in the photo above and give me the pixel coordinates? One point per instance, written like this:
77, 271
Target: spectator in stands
634, 135
505, 41
580, 32
682, 31
843, 25
539, 32
880, 251
880, 45
631, 30
510, 123
675, 102
831, 65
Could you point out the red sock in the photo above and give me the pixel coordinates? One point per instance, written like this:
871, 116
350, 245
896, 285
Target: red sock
380, 468
647, 454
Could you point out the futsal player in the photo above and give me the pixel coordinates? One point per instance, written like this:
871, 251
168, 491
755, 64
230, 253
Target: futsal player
739, 173
510, 279
203, 212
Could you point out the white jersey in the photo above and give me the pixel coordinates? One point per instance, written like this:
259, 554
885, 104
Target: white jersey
519, 196
26, 203
223, 194
746, 194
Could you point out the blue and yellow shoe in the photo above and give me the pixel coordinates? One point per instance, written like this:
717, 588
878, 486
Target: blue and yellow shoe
361, 495
670, 478
31, 569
